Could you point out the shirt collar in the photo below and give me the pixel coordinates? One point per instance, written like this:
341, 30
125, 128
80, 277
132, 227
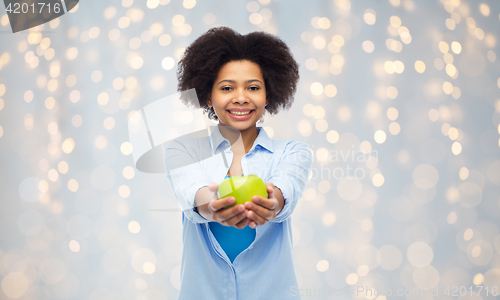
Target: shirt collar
216, 139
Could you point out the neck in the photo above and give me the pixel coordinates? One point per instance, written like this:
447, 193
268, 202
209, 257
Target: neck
241, 141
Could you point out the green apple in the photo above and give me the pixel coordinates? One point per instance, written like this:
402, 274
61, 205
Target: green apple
242, 188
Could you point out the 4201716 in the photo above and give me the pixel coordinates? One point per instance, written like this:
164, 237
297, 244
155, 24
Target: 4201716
17, 8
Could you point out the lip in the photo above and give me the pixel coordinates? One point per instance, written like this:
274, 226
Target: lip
241, 118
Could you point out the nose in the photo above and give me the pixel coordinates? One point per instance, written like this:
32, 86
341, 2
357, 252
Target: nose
240, 96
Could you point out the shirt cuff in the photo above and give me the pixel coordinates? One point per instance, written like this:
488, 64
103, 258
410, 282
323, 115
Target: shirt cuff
194, 216
284, 187
191, 213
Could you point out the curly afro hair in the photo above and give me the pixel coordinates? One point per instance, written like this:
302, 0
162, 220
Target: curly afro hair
204, 58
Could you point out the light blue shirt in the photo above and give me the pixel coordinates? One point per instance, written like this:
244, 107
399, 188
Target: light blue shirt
266, 269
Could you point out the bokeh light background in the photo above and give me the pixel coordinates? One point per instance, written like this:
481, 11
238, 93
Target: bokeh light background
405, 93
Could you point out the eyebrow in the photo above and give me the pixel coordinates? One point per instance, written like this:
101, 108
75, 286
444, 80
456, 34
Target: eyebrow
232, 81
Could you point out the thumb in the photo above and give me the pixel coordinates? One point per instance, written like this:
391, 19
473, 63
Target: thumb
270, 189
213, 187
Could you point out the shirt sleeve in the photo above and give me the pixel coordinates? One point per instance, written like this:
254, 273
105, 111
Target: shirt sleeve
186, 177
291, 176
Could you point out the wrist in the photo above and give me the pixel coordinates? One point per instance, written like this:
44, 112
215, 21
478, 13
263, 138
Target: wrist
281, 200
202, 197
198, 212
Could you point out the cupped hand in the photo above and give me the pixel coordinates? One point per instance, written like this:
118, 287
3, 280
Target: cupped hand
263, 210
233, 216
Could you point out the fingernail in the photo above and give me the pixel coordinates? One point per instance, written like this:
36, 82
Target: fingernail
240, 208
252, 226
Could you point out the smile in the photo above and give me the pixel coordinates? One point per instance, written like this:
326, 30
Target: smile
240, 116
240, 113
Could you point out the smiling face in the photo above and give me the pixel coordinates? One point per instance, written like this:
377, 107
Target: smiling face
239, 95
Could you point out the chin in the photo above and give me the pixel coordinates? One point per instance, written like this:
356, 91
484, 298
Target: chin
242, 127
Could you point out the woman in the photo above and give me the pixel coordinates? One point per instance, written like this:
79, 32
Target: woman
245, 251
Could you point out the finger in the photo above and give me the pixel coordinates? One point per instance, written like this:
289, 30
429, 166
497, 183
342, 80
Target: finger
211, 205
252, 223
223, 202
270, 188
265, 213
235, 219
258, 219
270, 203
213, 186
228, 213
243, 223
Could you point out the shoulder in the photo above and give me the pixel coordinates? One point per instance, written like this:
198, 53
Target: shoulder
285, 148
291, 157
286, 145
279, 145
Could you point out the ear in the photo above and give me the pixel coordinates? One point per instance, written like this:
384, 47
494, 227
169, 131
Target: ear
267, 101
209, 102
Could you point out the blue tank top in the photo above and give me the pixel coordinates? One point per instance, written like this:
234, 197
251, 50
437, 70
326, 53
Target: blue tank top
232, 240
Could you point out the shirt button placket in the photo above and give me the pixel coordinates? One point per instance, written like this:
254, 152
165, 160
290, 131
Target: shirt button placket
244, 165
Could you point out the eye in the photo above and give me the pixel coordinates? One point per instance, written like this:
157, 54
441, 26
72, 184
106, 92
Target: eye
226, 88
254, 88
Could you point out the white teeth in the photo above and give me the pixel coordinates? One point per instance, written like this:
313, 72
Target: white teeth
237, 113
